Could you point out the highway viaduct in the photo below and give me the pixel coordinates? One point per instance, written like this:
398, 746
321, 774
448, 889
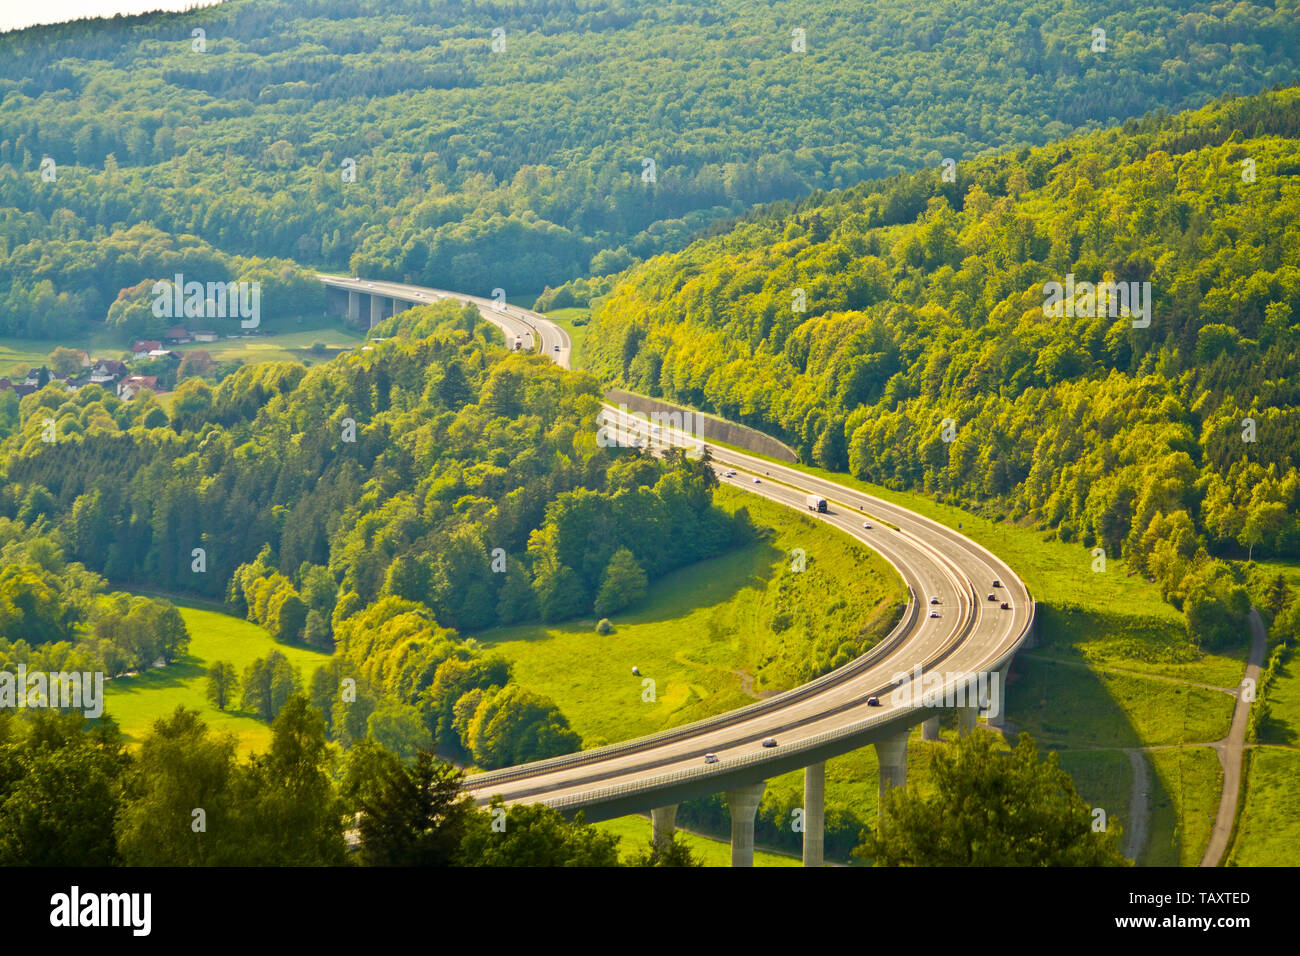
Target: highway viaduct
951, 649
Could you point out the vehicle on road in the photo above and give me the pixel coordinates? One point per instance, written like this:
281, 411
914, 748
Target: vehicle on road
815, 503
997, 583
710, 758
518, 343
757, 482
769, 741
934, 613
731, 473
867, 525
1005, 605
993, 597
935, 600
873, 701
557, 348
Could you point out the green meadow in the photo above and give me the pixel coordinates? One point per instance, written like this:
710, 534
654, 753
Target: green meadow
288, 340
1268, 829
634, 838
705, 634
1185, 786
136, 702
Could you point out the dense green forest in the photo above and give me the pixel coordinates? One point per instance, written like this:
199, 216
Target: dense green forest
71, 794
383, 506
521, 158
56, 615
925, 355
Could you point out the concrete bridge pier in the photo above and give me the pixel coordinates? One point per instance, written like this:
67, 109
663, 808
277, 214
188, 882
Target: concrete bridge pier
967, 716
891, 753
743, 804
664, 820
997, 719
354, 306
814, 814
376, 309
930, 729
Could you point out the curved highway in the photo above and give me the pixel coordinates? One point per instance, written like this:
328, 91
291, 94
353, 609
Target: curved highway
950, 629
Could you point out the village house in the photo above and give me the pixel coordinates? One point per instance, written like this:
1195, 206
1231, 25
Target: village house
18, 388
133, 385
107, 371
38, 378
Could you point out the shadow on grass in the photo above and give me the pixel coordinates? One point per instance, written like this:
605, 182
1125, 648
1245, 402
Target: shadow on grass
1072, 710
697, 586
1133, 637
1279, 730
186, 668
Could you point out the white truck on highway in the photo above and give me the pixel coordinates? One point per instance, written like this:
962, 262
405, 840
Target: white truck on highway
815, 503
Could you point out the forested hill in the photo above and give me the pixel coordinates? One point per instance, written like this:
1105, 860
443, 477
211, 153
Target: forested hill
384, 505
926, 358
519, 158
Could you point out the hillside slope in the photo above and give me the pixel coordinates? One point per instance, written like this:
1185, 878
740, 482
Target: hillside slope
516, 158
928, 355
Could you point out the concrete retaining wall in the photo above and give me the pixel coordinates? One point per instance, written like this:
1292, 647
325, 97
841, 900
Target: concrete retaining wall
706, 427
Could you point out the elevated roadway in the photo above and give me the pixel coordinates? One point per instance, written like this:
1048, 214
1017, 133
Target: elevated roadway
949, 651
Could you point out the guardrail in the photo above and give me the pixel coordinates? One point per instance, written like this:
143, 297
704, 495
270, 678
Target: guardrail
483, 782
792, 696
812, 688
889, 716
856, 729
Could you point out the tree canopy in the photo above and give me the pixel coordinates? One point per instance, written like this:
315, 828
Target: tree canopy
991, 808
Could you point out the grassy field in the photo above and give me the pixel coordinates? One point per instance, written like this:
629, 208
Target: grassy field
634, 833
704, 634
1185, 786
1268, 831
1283, 696
136, 702
1290, 570
289, 340
21, 355
1063, 706
291, 345
1104, 779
